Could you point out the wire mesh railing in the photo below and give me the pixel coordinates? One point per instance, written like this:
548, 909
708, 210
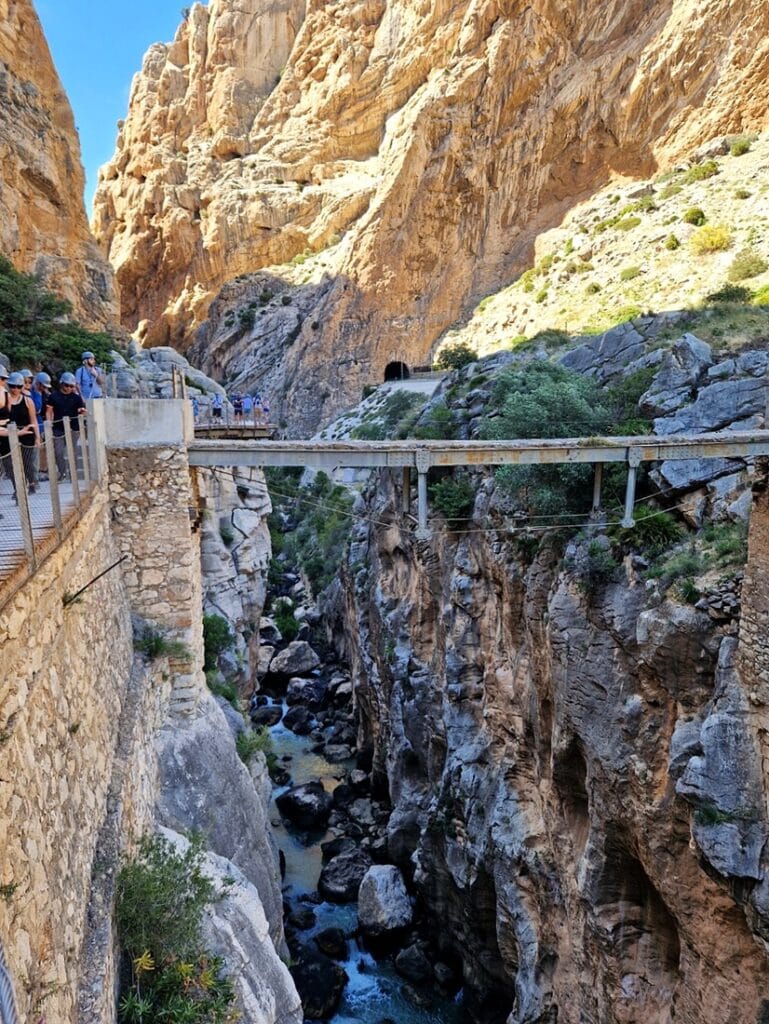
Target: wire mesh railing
8, 1011
43, 488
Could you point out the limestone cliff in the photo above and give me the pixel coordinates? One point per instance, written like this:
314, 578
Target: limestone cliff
43, 225
575, 761
442, 137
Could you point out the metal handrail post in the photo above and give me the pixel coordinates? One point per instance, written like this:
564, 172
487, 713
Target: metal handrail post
71, 460
22, 498
85, 444
53, 477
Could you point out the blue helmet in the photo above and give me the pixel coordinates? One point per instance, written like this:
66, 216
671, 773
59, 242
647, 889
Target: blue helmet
43, 379
16, 380
67, 378
3, 373
88, 355
26, 374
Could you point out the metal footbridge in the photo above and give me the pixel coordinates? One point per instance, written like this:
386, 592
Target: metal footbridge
421, 456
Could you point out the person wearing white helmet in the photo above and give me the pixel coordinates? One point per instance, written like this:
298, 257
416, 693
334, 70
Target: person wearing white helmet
63, 403
89, 378
21, 411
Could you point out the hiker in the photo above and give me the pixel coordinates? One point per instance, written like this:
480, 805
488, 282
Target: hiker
89, 378
237, 407
66, 402
21, 410
216, 406
41, 389
248, 408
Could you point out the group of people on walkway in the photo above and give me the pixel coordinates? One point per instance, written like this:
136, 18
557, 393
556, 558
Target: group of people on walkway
27, 400
246, 409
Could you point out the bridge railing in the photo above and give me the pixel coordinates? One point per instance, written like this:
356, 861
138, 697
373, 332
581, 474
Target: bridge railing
43, 493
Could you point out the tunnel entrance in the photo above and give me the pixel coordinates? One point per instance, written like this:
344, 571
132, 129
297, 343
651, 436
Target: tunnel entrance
396, 371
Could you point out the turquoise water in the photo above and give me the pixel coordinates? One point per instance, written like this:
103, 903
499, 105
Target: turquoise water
374, 991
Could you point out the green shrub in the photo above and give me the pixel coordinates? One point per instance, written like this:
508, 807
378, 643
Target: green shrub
694, 215
160, 899
527, 280
36, 329
542, 399
742, 193
672, 243
707, 169
740, 146
627, 223
592, 288
228, 690
227, 534
653, 531
597, 568
285, 620
454, 499
761, 296
670, 190
251, 741
622, 398
546, 263
454, 357
729, 293
436, 424
155, 644
746, 264
711, 238
246, 318
217, 638
311, 524
541, 296
369, 432
629, 273
688, 591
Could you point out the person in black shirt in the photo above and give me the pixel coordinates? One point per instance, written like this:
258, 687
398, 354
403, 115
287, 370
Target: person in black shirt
66, 402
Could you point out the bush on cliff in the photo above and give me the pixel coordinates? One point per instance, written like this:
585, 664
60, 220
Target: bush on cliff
161, 896
454, 499
217, 638
454, 357
539, 400
35, 329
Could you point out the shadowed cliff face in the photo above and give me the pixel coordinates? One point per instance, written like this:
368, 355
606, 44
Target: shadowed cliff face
543, 747
43, 225
442, 136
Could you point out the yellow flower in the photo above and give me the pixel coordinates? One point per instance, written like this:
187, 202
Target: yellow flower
144, 962
206, 979
186, 971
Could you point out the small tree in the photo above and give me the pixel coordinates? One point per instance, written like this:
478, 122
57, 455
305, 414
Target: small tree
454, 357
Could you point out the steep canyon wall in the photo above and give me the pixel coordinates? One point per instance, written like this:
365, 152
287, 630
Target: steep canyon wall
577, 773
441, 137
43, 225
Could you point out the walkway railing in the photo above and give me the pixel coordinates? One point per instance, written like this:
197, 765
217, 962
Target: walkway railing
43, 493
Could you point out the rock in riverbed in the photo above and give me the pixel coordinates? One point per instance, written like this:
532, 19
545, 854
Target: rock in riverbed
306, 806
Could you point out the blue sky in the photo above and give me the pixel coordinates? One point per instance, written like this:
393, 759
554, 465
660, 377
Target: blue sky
97, 46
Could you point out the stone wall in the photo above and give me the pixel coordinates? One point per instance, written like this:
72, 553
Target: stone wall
155, 511
63, 686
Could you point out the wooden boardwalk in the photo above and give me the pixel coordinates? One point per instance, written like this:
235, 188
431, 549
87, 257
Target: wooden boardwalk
12, 553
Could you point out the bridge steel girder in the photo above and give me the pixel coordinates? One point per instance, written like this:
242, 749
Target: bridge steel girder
330, 455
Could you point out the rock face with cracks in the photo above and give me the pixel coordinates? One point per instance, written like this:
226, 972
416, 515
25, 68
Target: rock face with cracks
439, 139
43, 225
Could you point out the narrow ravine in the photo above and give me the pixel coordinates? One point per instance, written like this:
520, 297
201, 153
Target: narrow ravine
330, 829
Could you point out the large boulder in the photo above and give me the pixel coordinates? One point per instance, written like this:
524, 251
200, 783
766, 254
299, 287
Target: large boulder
298, 720
307, 806
311, 692
205, 787
320, 983
268, 715
412, 964
296, 660
383, 901
341, 877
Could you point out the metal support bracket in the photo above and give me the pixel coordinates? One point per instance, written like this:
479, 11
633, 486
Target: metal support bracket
634, 457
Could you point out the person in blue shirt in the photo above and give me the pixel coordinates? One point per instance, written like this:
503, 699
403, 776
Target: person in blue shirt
90, 379
216, 406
